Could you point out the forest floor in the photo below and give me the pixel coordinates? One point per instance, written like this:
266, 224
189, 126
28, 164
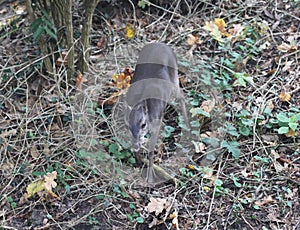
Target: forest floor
64, 163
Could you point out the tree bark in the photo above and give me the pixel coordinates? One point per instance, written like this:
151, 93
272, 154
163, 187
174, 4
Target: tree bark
42, 41
90, 6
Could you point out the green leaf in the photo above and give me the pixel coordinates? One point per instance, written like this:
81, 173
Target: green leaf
235, 181
50, 33
218, 182
140, 220
195, 123
230, 129
113, 148
283, 118
232, 147
241, 82
199, 111
38, 33
142, 4
35, 24
296, 117
283, 130
132, 206
244, 131
293, 126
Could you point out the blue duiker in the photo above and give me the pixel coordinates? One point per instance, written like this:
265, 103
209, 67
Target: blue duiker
154, 83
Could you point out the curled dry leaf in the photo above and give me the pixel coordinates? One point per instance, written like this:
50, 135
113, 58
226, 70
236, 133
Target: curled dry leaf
156, 205
284, 96
284, 47
208, 105
264, 201
49, 181
174, 218
101, 42
193, 39
236, 30
80, 79
122, 80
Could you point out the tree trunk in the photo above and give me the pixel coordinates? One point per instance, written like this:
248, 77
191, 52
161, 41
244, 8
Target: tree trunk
90, 6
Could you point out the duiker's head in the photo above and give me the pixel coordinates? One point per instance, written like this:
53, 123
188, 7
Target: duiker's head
138, 123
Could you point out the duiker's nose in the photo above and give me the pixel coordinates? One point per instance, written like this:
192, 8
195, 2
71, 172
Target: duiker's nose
136, 146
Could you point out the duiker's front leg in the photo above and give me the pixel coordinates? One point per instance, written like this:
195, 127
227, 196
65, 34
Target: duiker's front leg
155, 125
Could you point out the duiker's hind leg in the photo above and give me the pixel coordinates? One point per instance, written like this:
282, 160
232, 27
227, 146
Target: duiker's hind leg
183, 110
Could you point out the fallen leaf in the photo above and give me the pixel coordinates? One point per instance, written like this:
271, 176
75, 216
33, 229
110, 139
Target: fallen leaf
213, 30
80, 79
122, 80
156, 205
221, 26
208, 105
101, 42
6, 133
236, 30
199, 146
34, 188
291, 133
174, 218
284, 96
49, 181
193, 39
284, 47
245, 173
264, 201
129, 31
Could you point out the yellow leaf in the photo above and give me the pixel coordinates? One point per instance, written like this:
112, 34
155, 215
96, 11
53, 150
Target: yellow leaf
191, 167
283, 96
206, 188
34, 188
213, 30
220, 23
122, 80
129, 31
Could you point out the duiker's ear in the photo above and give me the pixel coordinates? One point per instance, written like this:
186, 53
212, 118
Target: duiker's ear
127, 111
144, 106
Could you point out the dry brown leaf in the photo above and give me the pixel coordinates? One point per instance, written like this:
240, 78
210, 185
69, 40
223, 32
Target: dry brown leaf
208, 105
284, 96
101, 42
6, 133
236, 30
63, 60
156, 205
199, 146
245, 173
208, 174
49, 181
291, 133
284, 47
122, 80
193, 39
174, 218
264, 201
80, 79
